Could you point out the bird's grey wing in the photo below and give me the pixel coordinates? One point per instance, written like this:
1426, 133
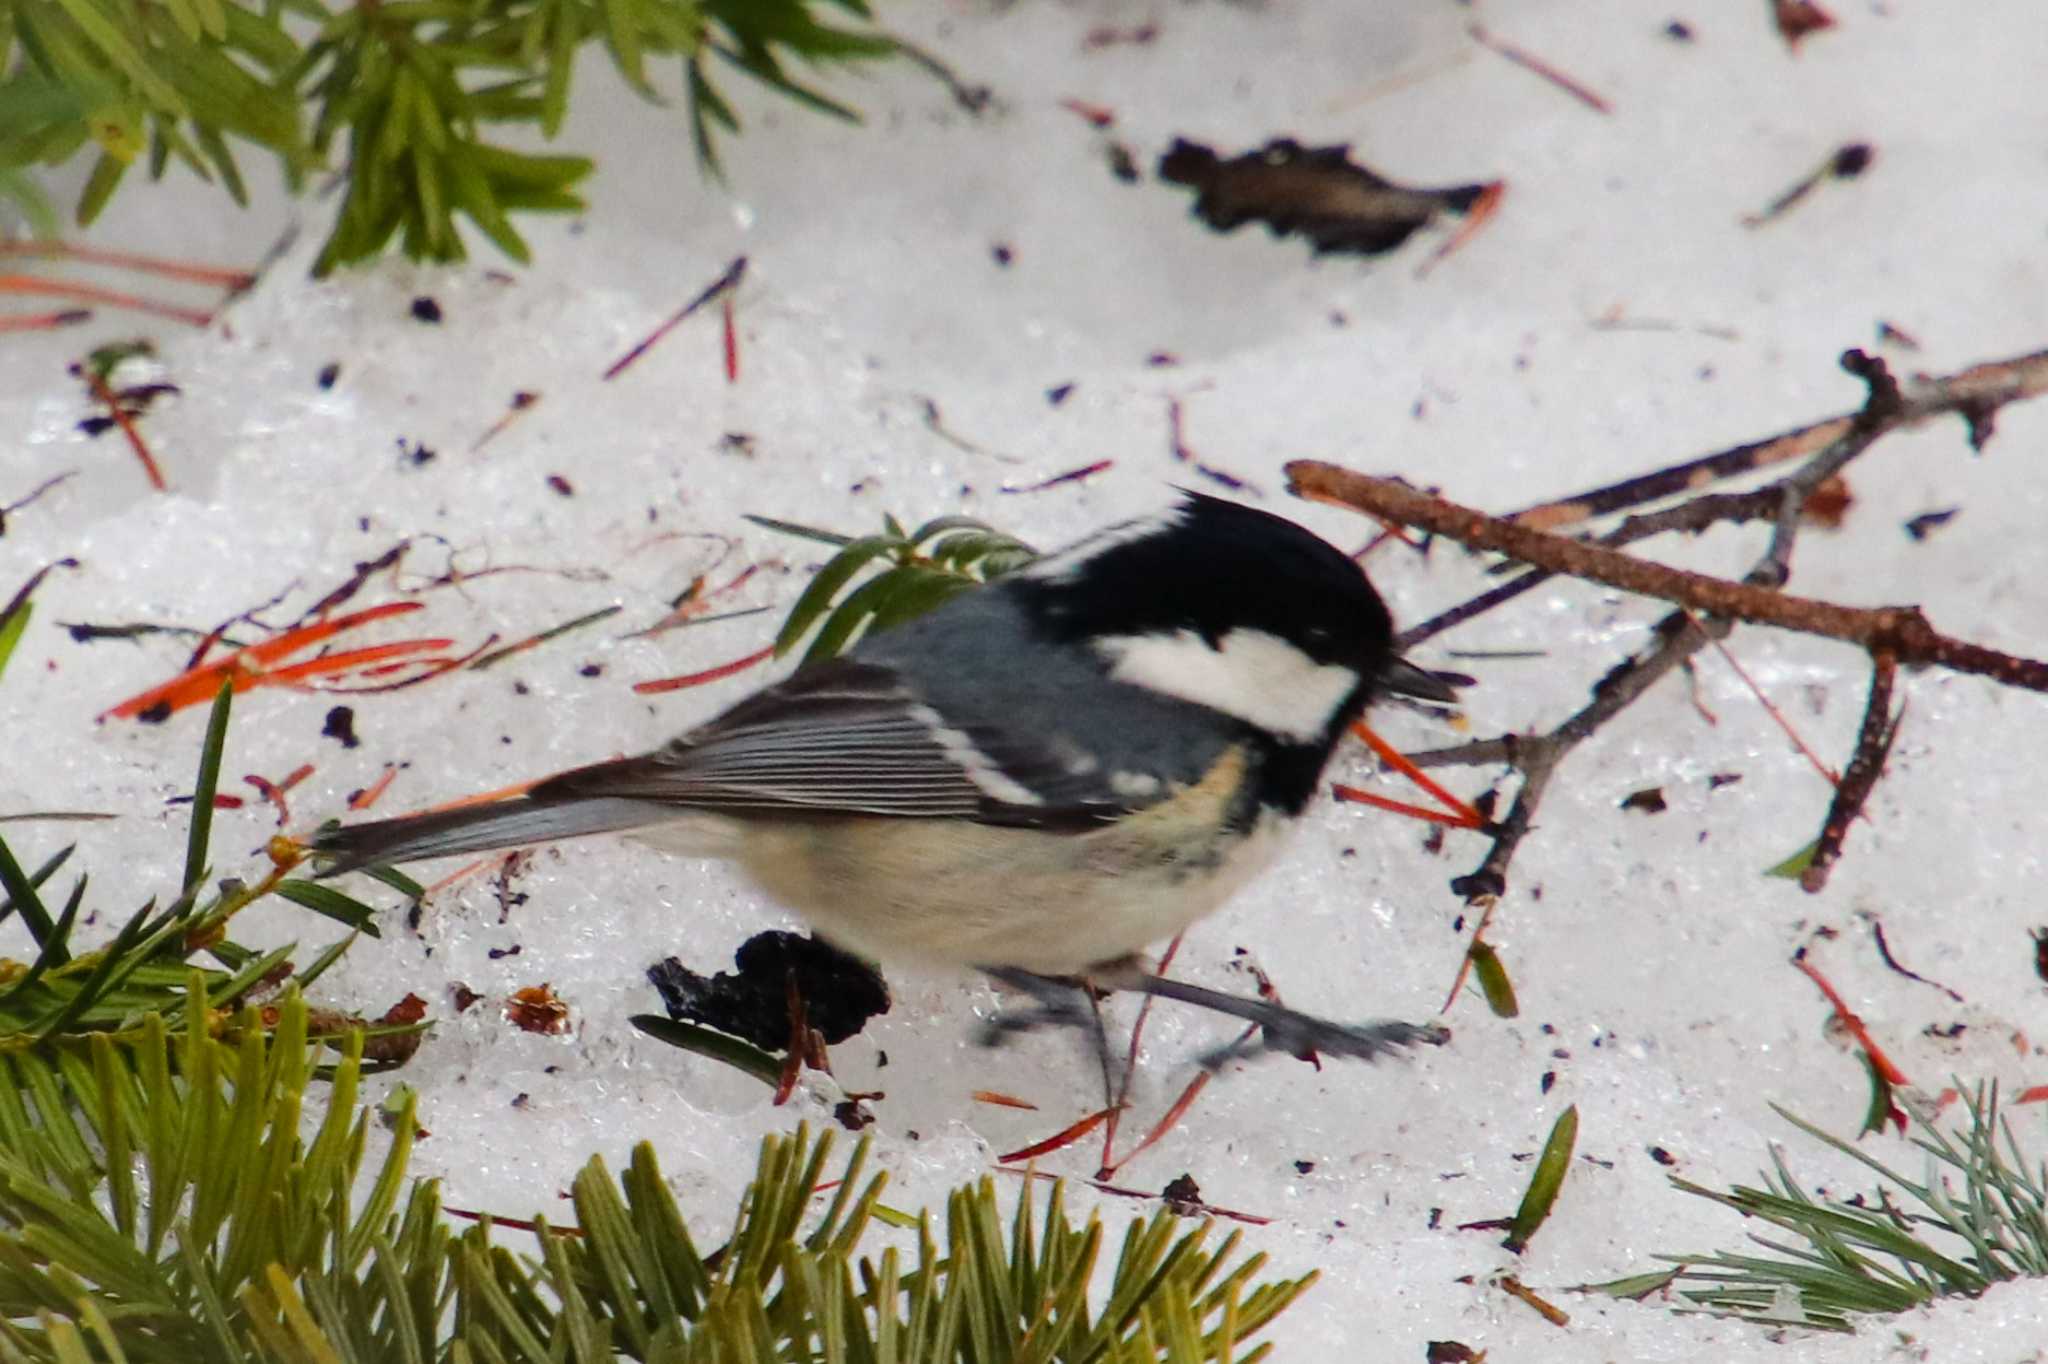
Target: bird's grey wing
845, 737
850, 737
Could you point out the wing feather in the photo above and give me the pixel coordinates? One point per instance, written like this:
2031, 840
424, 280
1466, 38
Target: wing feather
846, 737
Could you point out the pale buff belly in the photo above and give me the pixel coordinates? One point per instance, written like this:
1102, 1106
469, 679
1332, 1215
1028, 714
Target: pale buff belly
960, 894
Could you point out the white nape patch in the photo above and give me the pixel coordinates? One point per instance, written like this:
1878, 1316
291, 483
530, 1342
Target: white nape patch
979, 767
1067, 564
1136, 785
1078, 761
1258, 677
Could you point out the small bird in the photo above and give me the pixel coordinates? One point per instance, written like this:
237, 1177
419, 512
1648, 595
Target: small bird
1037, 779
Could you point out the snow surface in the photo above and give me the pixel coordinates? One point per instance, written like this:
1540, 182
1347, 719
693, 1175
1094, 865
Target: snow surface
1653, 970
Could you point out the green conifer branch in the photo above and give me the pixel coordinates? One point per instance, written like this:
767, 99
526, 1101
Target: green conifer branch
397, 97
67, 993
160, 1200
1978, 1216
164, 1197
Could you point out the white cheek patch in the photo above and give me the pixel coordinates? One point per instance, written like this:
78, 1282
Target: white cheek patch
1255, 676
979, 767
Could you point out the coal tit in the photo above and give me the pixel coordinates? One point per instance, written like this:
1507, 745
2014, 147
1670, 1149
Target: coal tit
1038, 779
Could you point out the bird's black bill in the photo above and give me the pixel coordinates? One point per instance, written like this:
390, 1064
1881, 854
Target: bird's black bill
1402, 678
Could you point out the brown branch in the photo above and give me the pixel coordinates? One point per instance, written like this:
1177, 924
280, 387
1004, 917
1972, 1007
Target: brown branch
1873, 746
1975, 394
1695, 515
1890, 634
1782, 500
1537, 756
1899, 630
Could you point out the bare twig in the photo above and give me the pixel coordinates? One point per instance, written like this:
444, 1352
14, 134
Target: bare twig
1709, 607
1695, 515
1781, 501
975, 99
711, 293
1900, 629
1844, 163
1873, 746
1975, 394
1537, 756
1884, 952
1549, 1311
32, 495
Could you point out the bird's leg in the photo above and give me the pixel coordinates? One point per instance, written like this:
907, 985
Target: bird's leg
1280, 1028
1058, 1001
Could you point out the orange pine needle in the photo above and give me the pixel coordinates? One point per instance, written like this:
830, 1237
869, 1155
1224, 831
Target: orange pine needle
328, 665
1852, 1024
187, 689
197, 685
1145, 1195
45, 322
719, 287
732, 341
1476, 217
1463, 815
1170, 1121
1535, 65
696, 602
218, 276
374, 792
1123, 1093
1832, 777
1096, 115
723, 670
1066, 1136
518, 788
1351, 795
298, 637
806, 1047
516, 1223
990, 1096
425, 669
432, 666
274, 792
119, 414
462, 872
1388, 531
87, 293
364, 799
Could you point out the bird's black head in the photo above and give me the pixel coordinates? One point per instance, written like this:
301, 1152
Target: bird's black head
1226, 606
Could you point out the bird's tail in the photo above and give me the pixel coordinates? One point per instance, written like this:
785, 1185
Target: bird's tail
510, 823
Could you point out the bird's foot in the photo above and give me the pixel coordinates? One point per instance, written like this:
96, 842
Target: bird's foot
1067, 1001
